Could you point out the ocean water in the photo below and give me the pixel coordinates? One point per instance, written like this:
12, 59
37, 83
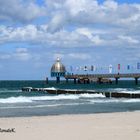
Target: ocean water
15, 103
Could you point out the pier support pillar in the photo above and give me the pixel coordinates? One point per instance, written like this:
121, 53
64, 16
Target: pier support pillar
99, 80
47, 80
84, 81
136, 81
88, 81
116, 81
79, 81
67, 80
74, 80
57, 79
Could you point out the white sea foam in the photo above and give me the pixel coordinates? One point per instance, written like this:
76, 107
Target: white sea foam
124, 90
50, 88
41, 106
131, 101
104, 101
122, 100
24, 99
86, 95
92, 98
119, 89
19, 99
56, 97
132, 92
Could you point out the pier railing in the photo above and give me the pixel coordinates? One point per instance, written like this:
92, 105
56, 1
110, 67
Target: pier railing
129, 75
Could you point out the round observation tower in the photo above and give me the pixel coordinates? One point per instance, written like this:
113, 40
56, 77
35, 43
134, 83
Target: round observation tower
58, 70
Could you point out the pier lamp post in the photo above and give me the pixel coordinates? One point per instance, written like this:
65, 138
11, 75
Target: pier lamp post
58, 70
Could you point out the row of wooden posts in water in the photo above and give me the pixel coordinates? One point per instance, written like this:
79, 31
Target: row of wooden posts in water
74, 91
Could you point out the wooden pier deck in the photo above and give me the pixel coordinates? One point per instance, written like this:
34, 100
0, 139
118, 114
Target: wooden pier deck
75, 77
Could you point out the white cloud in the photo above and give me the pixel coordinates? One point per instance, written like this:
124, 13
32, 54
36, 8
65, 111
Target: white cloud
110, 4
77, 6
81, 56
5, 56
58, 55
90, 34
57, 23
19, 10
80, 37
90, 12
106, 24
129, 39
33, 35
85, 31
21, 50
22, 54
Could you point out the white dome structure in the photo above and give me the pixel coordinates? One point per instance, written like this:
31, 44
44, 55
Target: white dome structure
58, 67
58, 70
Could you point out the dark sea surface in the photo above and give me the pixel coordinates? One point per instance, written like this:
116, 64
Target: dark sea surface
15, 103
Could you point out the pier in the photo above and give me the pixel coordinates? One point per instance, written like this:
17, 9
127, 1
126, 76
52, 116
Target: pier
87, 78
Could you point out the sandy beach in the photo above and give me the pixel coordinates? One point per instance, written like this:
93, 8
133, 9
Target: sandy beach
113, 126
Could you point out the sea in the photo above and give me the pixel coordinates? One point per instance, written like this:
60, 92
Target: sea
15, 103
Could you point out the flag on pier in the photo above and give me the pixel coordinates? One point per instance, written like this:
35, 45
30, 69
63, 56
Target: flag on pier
110, 68
95, 68
128, 67
92, 68
119, 66
138, 65
85, 68
80, 68
77, 68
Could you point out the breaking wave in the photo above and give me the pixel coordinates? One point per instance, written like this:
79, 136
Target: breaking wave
24, 99
124, 90
88, 98
50, 88
41, 106
19, 99
86, 95
122, 100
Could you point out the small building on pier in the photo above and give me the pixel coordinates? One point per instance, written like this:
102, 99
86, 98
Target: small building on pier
58, 70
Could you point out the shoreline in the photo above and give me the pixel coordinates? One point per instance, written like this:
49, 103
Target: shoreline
102, 126
78, 114
86, 114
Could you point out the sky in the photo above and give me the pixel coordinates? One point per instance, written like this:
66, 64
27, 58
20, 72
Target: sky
33, 33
